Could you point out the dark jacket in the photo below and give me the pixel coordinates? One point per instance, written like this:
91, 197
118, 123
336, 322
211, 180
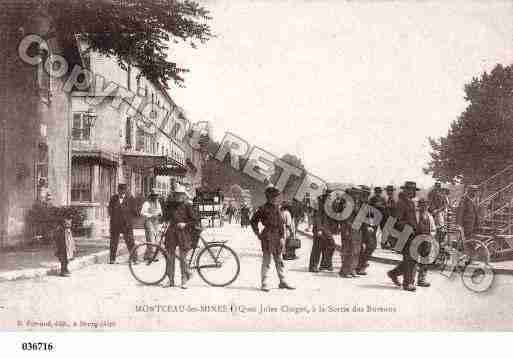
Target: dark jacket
405, 212
326, 223
437, 202
467, 215
390, 207
378, 202
271, 236
180, 212
60, 244
122, 214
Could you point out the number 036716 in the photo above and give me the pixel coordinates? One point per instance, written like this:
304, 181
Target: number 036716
40, 346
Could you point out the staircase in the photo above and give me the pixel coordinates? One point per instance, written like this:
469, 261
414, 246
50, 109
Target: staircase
496, 214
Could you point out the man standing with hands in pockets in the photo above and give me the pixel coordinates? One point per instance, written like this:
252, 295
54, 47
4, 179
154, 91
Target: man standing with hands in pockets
271, 237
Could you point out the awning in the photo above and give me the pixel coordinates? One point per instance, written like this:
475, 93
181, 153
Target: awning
96, 155
178, 171
172, 168
143, 160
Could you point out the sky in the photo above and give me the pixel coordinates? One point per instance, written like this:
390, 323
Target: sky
352, 87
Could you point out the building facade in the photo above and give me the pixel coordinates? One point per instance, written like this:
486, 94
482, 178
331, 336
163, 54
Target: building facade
34, 130
76, 145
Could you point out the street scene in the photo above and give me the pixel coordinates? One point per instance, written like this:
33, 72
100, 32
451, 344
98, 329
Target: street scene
222, 165
116, 297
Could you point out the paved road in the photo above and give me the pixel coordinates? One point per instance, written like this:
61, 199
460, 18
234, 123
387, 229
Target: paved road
105, 296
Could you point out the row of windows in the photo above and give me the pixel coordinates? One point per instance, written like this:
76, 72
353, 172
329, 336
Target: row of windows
142, 90
82, 124
144, 142
82, 182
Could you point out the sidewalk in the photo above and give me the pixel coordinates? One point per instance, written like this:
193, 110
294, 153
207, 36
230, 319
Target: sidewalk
389, 257
41, 261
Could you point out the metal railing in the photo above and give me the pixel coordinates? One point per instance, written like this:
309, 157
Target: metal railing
496, 182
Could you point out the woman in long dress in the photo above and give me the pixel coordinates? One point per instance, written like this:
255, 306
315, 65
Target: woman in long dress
290, 232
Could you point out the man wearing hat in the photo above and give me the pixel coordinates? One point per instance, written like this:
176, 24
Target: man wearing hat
271, 237
351, 238
368, 235
467, 215
326, 228
425, 226
378, 201
182, 223
406, 215
121, 210
151, 211
390, 211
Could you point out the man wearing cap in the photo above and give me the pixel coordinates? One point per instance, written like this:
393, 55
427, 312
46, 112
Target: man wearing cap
182, 223
467, 216
378, 201
369, 233
437, 204
390, 211
121, 212
271, 237
425, 226
315, 253
351, 238
151, 212
406, 215
326, 228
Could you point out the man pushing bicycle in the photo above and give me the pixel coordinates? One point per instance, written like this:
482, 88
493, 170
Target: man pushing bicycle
182, 222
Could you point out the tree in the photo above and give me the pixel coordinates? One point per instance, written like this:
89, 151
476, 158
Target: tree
293, 160
136, 32
479, 142
294, 182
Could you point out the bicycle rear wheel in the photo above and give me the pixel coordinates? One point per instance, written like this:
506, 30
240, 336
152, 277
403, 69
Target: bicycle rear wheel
151, 269
218, 265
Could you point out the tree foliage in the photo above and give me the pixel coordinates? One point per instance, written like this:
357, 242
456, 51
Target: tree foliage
136, 32
479, 142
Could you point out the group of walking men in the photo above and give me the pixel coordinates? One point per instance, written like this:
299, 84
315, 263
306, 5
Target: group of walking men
358, 243
426, 217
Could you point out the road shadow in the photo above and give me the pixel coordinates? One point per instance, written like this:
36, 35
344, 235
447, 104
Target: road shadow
315, 274
301, 270
249, 289
379, 286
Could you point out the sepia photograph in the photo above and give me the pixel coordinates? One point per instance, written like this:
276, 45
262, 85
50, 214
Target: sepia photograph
255, 165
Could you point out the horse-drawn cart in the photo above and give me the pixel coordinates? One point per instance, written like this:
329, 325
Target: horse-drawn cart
209, 206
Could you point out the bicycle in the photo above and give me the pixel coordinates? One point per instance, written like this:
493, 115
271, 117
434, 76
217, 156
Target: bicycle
452, 241
216, 263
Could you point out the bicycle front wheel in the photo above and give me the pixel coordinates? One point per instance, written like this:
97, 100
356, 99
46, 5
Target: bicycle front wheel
218, 265
151, 265
477, 251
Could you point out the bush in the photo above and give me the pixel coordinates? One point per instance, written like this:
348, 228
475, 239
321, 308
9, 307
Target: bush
44, 219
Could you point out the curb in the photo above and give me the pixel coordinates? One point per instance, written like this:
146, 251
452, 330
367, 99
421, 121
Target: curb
54, 268
395, 262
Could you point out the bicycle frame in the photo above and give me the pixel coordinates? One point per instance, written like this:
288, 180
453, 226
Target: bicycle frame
204, 244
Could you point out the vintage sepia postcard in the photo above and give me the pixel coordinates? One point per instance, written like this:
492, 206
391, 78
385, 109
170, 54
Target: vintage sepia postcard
240, 165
